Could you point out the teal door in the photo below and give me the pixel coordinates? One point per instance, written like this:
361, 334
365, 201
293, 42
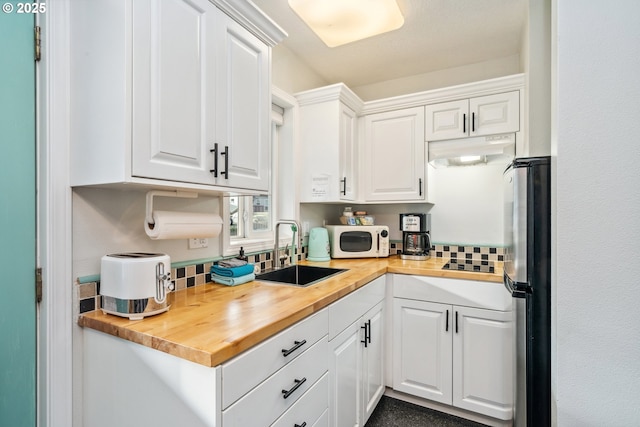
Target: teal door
17, 220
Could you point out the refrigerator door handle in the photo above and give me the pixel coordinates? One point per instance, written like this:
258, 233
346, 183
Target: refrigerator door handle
516, 289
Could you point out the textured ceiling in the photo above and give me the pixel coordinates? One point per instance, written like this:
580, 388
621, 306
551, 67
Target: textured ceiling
437, 34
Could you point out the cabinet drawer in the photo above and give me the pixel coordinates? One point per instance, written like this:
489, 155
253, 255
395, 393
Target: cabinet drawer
309, 408
468, 293
347, 310
245, 371
265, 403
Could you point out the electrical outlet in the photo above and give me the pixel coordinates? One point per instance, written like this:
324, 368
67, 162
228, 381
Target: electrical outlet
198, 243
305, 228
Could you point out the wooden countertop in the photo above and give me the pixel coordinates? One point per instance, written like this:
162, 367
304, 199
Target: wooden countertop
209, 324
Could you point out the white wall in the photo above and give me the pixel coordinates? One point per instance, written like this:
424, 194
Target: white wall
468, 204
111, 221
538, 78
290, 74
596, 93
441, 78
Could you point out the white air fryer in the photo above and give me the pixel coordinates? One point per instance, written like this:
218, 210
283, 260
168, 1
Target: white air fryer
135, 285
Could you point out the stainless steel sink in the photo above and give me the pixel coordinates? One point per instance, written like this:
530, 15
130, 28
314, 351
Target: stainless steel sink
299, 275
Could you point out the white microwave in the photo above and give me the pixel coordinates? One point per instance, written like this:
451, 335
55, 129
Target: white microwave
358, 241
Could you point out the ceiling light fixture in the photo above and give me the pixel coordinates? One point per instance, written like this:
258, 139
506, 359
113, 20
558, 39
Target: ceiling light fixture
338, 22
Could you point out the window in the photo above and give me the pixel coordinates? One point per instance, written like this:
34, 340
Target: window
250, 216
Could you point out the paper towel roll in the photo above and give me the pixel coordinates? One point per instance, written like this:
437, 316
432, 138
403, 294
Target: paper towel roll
183, 225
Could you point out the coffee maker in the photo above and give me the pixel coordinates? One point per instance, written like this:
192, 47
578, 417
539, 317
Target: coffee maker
416, 242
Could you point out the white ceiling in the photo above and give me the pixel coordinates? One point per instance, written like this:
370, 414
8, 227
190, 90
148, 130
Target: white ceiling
437, 34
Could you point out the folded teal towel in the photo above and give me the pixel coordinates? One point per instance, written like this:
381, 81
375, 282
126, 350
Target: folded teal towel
233, 281
232, 271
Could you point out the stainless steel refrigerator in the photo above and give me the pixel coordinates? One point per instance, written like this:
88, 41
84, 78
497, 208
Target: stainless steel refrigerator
527, 276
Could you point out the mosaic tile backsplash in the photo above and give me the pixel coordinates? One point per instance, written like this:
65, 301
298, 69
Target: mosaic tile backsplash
484, 253
87, 296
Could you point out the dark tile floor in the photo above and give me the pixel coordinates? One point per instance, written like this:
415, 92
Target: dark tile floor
397, 413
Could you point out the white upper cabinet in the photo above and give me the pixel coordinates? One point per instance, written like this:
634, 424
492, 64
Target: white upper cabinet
173, 90
244, 100
328, 144
394, 155
156, 85
348, 151
478, 116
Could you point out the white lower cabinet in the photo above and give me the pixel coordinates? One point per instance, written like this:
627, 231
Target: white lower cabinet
311, 409
274, 380
326, 370
422, 349
356, 370
273, 397
372, 361
450, 353
482, 362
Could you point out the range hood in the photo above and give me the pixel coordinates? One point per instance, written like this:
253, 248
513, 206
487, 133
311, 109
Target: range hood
472, 151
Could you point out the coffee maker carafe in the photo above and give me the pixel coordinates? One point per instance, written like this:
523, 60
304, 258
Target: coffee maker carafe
416, 242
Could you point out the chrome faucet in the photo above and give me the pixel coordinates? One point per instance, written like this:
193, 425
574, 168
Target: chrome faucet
276, 251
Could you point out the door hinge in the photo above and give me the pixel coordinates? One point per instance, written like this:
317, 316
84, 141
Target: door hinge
39, 284
37, 43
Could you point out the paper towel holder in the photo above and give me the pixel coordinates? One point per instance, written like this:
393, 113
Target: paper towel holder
161, 193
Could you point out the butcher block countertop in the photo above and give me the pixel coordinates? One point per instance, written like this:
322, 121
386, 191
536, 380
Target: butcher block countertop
209, 324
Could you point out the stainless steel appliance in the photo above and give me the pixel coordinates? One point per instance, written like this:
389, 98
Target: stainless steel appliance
527, 276
135, 285
358, 241
416, 242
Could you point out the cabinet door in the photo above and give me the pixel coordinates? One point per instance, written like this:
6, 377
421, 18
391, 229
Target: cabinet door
447, 120
344, 377
347, 147
422, 349
483, 361
173, 91
244, 103
394, 160
495, 114
372, 361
